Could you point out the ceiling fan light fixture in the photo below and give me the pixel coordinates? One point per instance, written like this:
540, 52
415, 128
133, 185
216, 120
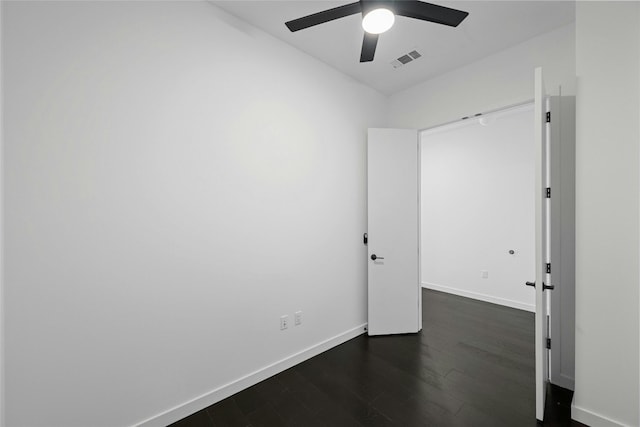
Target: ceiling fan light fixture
377, 18
378, 21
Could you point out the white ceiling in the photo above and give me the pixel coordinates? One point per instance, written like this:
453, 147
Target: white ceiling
491, 26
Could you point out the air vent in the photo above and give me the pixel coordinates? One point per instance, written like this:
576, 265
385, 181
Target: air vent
405, 59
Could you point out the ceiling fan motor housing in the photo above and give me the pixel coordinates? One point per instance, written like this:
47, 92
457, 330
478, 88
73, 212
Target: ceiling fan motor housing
369, 5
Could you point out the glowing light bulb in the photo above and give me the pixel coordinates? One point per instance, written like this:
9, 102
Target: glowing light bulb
378, 21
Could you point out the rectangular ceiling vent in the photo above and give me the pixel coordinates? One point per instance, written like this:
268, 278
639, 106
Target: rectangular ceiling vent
405, 59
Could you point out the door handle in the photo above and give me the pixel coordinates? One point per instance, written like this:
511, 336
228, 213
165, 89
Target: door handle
375, 257
544, 286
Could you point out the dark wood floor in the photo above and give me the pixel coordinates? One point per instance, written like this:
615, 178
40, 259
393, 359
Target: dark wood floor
472, 365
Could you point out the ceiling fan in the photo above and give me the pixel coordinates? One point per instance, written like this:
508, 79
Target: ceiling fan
379, 16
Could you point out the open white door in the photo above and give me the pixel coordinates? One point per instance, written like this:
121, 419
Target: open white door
394, 288
541, 283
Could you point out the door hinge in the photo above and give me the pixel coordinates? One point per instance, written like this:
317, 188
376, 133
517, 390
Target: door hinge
548, 268
549, 343
548, 192
548, 116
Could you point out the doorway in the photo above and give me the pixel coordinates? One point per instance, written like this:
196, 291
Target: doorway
477, 216
477, 208
384, 142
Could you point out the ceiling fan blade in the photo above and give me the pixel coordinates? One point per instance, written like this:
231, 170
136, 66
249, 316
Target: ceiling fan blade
430, 12
368, 47
324, 16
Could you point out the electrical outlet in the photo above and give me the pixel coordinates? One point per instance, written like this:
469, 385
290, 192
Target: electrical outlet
298, 318
284, 322
484, 274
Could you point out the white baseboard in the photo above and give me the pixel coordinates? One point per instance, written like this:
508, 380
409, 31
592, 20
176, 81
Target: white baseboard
481, 297
181, 411
592, 419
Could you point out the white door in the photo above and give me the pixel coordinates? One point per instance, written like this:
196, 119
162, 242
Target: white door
394, 289
541, 283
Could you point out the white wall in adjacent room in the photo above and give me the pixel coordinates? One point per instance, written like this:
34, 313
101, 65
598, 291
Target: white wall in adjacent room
497, 81
174, 182
477, 205
607, 213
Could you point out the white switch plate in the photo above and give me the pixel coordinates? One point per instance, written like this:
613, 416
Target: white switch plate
484, 274
297, 316
284, 322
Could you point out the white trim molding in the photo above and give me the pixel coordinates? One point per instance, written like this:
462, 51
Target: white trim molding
187, 408
565, 381
592, 419
480, 297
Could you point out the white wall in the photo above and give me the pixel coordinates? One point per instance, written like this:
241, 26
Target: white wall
607, 213
174, 181
499, 80
477, 204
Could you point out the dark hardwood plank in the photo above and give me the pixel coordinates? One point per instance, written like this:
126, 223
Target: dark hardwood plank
266, 416
227, 414
199, 419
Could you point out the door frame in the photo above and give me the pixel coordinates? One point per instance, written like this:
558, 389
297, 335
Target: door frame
382, 146
533, 192
420, 169
419, 213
